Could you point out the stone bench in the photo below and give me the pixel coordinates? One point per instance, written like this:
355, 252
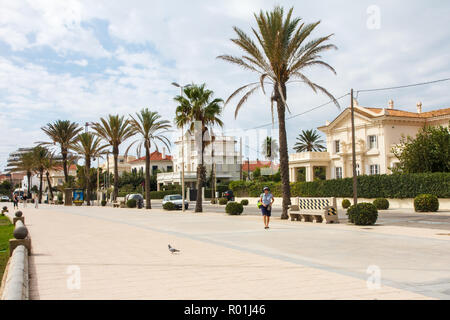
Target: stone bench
318, 210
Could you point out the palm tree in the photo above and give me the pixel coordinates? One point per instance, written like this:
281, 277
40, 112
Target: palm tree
114, 130
89, 146
199, 107
309, 141
49, 164
40, 157
63, 133
280, 56
151, 129
270, 148
23, 162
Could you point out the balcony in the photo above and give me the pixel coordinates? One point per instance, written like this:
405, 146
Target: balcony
309, 157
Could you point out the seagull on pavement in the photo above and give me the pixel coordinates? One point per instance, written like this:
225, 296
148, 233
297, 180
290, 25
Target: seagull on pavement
173, 250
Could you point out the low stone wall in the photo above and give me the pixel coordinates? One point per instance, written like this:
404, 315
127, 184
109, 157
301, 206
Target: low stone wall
16, 280
444, 204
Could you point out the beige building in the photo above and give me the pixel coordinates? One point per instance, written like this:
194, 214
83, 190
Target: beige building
378, 131
158, 162
124, 164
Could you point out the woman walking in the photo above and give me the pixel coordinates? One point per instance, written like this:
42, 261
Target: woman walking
16, 201
266, 200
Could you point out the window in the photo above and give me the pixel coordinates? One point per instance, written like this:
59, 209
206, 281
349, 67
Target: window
374, 169
338, 172
337, 146
373, 142
358, 169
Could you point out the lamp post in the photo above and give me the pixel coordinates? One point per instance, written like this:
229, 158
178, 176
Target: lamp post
182, 148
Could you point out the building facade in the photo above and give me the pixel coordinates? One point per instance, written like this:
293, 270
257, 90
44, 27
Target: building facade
158, 162
222, 153
377, 130
123, 164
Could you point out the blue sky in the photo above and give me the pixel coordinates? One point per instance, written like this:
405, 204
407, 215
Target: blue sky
80, 60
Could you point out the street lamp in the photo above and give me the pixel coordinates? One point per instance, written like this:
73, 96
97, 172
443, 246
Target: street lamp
182, 148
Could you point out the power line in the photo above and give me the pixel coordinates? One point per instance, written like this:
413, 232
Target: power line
405, 86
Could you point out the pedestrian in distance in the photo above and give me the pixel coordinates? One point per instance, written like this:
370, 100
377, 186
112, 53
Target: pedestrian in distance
24, 199
266, 200
36, 201
16, 201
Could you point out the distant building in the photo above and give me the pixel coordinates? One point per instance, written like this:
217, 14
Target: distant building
14, 177
267, 167
158, 162
124, 164
378, 131
223, 153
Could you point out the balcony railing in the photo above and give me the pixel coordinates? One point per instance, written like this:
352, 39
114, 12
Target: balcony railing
310, 156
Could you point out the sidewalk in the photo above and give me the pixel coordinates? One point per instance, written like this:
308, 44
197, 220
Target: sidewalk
122, 254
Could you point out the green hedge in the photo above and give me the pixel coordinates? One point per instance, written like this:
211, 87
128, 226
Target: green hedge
398, 186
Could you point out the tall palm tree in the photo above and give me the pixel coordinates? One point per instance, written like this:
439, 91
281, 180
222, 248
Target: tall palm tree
151, 130
51, 163
88, 146
114, 130
63, 133
309, 141
200, 112
281, 54
40, 157
270, 148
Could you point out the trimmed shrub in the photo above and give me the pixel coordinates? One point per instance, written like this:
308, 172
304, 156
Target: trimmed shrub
169, 206
363, 214
132, 203
346, 203
426, 203
381, 203
244, 202
234, 208
60, 202
213, 201
103, 203
223, 201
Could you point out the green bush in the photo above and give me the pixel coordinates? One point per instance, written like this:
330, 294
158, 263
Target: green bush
244, 202
396, 186
426, 203
213, 201
223, 201
346, 203
381, 203
103, 203
169, 206
59, 202
234, 208
132, 203
363, 214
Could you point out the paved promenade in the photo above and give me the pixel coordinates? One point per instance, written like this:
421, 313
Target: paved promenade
104, 253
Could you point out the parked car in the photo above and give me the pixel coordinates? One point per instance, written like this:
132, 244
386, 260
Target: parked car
4, 199
177, 200
228, 195
136, 196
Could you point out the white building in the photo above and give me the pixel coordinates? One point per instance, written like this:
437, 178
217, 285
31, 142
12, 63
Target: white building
158, 162
222, 152
123, 164
378, 131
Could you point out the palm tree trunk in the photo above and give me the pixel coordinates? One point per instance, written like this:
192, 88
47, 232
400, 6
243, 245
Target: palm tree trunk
116, 173
29, 184
201, 177
284, 156
148, 204
41, 173
49, 186
64, 158
87, 179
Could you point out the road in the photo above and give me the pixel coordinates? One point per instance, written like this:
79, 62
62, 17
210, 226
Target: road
122, 254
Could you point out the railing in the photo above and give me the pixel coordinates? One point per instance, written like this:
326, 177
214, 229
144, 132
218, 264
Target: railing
16, 286
308, 156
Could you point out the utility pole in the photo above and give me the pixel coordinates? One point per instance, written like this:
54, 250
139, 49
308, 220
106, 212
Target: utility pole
355, 178
248, 168
240, 160
98, 179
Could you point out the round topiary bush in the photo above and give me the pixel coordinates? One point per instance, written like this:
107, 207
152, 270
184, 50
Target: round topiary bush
363, 214
132, 203
426, 203
244, 202
346, 204
381, 203
234, 208
169, 206
103, 203
223, 201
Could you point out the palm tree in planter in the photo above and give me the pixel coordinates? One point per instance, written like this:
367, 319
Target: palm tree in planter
40, 157
114, 130
280, 55
89, 146
199, 112
51, 163
151, 129
62, 133
309, 141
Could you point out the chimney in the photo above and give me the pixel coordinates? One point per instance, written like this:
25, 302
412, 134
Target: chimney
164, 153
391, 104
419, 107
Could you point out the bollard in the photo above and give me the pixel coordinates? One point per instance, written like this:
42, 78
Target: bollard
18, 216
21, 238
